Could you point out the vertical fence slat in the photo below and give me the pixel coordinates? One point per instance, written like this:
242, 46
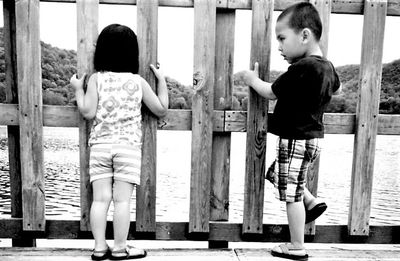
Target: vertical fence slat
324, 8
367, 116
146, 194
30, 114
202, 113
221, 147
257, 120
87, 30
14, 158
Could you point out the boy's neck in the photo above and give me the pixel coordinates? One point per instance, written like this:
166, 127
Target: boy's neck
315, 49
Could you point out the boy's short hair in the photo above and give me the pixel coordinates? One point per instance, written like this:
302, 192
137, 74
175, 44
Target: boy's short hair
117, 50
303, 15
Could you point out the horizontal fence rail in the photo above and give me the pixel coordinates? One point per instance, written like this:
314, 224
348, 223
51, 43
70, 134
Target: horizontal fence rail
338, 6
223, 121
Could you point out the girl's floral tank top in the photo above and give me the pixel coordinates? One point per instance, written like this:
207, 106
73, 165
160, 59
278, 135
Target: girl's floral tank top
118, 118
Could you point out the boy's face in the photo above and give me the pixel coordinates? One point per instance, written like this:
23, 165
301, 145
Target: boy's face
290, 42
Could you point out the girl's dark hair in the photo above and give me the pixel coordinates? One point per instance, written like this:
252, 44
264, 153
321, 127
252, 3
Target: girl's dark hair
303, 15
117, 50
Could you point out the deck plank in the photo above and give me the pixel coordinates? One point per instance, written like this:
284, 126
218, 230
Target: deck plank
324, 253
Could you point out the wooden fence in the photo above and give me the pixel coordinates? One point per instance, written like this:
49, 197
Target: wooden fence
211, 121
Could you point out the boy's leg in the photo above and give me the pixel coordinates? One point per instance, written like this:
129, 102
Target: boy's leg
296, 220
122, 192
102, 194
309, 200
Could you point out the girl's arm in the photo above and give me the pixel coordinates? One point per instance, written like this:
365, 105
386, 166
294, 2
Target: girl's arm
262, 88
157, 103
87, 102
338, 91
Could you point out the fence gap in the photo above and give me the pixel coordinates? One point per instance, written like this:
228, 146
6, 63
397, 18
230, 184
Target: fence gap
87, 32
202, 114
147, 21
367, 117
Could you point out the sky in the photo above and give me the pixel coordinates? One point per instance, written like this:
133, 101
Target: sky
175, 39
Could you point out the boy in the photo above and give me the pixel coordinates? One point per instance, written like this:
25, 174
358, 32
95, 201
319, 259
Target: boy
302, 93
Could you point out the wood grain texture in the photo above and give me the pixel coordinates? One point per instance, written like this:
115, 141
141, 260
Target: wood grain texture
30, 114
221, 146
338, 6
367, 117
147, 20
87, 32
219, 231
324, 8
14, 156
202, 114
228, 121
257, 120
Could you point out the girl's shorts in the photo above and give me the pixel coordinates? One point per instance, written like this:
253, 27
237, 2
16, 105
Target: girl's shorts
118, 161
289, 170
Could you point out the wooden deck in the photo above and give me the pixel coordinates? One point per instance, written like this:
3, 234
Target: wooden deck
320, 252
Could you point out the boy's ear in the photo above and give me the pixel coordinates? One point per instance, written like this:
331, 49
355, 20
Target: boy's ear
306, 34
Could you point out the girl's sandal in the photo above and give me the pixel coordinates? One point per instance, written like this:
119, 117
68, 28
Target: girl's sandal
128, 253
101, 254
289, 252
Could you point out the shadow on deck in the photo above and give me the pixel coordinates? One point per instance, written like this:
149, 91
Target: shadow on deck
316, 252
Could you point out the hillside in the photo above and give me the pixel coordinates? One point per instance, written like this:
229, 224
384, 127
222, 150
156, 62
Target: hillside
58, 65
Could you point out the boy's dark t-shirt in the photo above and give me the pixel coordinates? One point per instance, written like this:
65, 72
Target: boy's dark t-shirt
303, 93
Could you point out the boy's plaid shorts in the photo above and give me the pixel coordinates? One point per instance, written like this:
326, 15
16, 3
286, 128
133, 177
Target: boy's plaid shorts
289, 170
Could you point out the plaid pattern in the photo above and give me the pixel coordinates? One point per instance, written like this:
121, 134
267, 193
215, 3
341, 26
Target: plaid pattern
118, 161
289, 170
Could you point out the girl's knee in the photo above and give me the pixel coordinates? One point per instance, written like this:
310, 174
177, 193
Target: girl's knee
122, 191
105, 197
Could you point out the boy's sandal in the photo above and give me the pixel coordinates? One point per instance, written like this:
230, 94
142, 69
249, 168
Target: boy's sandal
289, 252
101, 254
128, 253
315, 212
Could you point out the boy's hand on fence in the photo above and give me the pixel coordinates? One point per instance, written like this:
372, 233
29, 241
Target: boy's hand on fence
157, 71
77, 83
250, 76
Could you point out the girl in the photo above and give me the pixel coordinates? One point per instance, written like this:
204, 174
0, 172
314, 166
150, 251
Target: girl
113, 98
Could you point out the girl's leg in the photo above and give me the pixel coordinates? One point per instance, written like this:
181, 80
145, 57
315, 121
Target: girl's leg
122, 192
102, 195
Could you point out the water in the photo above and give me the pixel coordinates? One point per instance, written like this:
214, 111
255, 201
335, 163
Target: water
173, 180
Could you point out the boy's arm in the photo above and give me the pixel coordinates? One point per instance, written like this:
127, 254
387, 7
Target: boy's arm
262, 88
87, 102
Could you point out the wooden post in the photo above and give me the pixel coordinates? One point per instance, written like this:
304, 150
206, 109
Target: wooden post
202, 114
87, 26
257, 120
146, 194
221, 145
30, 114
324, 8
367, 117
224, 48
14, 158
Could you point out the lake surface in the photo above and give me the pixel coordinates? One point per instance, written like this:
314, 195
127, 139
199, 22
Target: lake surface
173, 178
